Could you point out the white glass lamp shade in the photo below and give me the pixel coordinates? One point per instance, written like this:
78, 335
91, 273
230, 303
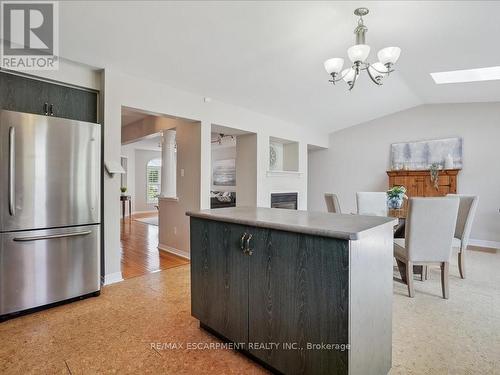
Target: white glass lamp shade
334, 65
358, 52
348, 74
378, 70
389, 55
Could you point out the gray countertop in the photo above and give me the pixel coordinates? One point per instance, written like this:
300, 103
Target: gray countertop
348, 227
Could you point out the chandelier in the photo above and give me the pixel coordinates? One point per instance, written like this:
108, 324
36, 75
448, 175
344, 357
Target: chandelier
358, 54
220, 138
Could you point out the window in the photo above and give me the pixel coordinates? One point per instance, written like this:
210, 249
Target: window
153, 178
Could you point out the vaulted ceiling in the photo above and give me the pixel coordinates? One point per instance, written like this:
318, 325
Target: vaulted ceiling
268, 56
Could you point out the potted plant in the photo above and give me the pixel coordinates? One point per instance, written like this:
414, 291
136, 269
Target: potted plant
434, 169
395, 197
123, 189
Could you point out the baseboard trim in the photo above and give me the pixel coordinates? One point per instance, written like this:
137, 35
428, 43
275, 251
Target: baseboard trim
113, 278
140, 213
173, 250
485, 243
144, 212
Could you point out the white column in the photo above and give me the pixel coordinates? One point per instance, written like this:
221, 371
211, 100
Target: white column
168, 165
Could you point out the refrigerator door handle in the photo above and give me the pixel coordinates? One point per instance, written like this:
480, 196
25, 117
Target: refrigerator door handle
51, 236
12, 176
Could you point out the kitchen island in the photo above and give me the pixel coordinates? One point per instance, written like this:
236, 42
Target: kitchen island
300, 292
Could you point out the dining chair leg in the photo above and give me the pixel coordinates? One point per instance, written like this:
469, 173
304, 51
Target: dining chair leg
445, 267
409, 279
426, 272
422, 270
461, 263
402, 270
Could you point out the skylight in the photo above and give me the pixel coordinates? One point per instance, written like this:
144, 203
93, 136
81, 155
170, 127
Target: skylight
467, 75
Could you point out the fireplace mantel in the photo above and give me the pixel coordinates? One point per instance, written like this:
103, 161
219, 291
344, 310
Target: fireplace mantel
276, 173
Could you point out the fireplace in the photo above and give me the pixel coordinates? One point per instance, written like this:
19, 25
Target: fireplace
284, 200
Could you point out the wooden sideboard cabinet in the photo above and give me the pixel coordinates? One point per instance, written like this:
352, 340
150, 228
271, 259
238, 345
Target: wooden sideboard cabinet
419, 184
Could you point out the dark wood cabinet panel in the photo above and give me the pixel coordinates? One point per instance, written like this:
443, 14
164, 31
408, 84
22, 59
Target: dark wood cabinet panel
23, 94
219, 278
292, 292
72, 103
299, 287
299, 303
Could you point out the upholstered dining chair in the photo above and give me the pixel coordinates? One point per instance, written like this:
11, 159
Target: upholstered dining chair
372, 203
466, 213
332, 203
430, 228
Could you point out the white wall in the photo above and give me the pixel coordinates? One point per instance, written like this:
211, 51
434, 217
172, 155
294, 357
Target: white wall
174, 224
119, 89
280, 182
73, 73
131, 91
291, 156
359, 156
287, 155
246, 170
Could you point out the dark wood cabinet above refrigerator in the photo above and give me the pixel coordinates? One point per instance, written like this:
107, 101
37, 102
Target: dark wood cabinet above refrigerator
30, 95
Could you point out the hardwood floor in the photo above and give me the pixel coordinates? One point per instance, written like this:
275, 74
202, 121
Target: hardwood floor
139, 249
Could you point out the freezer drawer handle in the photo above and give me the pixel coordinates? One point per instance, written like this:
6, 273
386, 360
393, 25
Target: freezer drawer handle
12, 145
50, 236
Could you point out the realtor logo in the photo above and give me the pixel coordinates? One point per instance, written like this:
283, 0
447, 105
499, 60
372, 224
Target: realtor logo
29, 35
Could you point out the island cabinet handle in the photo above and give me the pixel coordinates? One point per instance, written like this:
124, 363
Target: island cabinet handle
248, 250
242, 241
245, 243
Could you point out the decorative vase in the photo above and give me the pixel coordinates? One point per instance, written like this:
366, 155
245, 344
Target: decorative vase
395, 203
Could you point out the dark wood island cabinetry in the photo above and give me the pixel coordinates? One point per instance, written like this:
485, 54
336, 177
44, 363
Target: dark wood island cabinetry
302, 292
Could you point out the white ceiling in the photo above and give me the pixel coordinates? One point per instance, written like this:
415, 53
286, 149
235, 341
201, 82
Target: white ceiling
130, 116
218, 129
150, 143
268, 56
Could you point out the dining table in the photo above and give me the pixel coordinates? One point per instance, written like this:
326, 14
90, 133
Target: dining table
400, 214
124, 199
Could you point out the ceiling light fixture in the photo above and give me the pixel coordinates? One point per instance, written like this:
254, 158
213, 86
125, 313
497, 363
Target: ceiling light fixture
220, 138
467, 75
358, 55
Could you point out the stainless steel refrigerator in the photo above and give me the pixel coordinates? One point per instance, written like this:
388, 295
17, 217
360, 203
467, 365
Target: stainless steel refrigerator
50, 171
